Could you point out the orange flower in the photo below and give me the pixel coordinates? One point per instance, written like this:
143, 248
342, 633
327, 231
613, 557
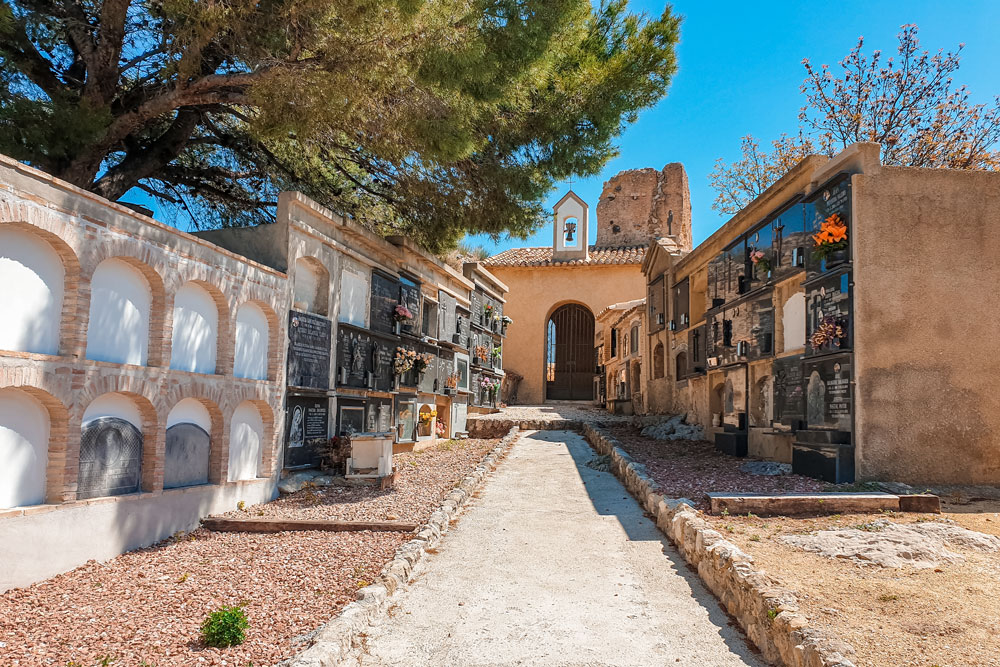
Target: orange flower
832, 230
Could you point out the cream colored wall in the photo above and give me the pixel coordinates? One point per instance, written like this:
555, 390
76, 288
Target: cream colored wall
537, 291
927, 313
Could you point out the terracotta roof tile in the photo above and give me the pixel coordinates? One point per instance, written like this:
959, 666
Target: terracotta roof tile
543, 256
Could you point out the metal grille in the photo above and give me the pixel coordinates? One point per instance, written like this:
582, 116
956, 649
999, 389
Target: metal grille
110, 458
570, 354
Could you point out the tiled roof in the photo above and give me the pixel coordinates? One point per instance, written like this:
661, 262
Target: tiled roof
543, 256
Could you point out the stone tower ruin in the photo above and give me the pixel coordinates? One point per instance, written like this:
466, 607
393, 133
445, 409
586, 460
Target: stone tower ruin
638, 205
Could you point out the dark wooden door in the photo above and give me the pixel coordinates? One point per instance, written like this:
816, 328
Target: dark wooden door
569, 354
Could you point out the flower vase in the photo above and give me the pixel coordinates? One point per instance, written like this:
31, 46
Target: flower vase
397, 327
395, 383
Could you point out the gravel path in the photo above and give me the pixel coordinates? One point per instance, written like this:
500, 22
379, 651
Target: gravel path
555, 564
691, 468
424, 479
147, 605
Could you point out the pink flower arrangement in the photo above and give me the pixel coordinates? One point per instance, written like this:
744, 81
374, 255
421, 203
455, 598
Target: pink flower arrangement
402, 313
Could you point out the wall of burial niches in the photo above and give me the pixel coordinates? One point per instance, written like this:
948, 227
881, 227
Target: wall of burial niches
118, 327
246, 435
252, 335
31, 312
24, 439
194, 339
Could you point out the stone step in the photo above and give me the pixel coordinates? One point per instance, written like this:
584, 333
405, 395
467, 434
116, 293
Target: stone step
802, 503
227, 525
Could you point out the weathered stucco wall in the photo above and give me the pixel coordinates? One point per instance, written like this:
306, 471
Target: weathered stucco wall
639, 204
927, 312
534, 292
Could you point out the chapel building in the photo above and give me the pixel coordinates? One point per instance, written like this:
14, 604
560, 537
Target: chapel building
555, 293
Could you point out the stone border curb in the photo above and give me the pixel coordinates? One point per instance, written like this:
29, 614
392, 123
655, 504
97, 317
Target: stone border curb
493, 428
334, 640
767, 613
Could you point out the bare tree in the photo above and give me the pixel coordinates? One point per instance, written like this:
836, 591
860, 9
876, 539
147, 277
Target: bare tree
908, 103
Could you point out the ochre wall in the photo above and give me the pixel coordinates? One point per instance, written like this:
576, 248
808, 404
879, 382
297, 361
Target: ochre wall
536, 291
927, 314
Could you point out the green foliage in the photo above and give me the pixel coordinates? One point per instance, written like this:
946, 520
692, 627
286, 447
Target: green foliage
429, 119
225, 627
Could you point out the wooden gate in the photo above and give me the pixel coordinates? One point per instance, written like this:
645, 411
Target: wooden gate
569, 354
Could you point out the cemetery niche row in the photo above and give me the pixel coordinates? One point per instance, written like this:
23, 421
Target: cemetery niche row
810, 234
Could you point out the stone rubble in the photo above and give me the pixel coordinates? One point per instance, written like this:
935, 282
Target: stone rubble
766, 468
920, 546
674, 428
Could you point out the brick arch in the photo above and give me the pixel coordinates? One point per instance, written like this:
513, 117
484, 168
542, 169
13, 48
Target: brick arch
225, 330
274, 336
209, 395
59, 419
153, 433
158, 308
69, 333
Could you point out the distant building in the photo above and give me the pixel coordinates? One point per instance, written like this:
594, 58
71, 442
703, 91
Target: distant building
555, 292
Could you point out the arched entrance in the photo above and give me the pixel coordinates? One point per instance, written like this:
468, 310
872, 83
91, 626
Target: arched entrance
569, 354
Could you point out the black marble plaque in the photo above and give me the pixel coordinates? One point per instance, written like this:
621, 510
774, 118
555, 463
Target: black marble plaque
476, 306
110, 458
307, 427
385, 298
352, 416
828, 396
792, 233
409, 296
449, 316
761, 328
832, 199
464, 326
354, 357
828, 300
309, 342
185, 461
427, 381
758, 268
789, 391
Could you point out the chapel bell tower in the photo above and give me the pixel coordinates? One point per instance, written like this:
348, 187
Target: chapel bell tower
570, 226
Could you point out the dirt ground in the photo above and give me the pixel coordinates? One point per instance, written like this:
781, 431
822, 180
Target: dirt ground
144, 608
692, 468
943, 617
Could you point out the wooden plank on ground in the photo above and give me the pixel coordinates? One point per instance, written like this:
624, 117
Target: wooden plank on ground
269, 525
802, 503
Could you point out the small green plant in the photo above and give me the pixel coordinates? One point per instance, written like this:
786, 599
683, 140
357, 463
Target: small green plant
751, 515
725, 511
772, 614
888, 597
755, 538
225, 627
729, 527
870, 527
105, 661
241, 505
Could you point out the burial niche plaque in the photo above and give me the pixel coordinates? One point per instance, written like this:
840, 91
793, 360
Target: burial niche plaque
385, 298
789, 396
828, 392
828, 311
186, 459
110, 458
309, 341
307, 419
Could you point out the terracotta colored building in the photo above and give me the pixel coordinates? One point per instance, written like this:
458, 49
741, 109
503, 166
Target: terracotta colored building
555, 292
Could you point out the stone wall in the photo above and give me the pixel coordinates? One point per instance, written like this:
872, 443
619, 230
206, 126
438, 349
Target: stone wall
639, 204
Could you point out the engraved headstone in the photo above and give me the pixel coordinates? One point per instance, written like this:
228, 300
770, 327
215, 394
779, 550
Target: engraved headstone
309, 343
186, 456
384, 299
789, 391
307, 430
110, 458
831, 406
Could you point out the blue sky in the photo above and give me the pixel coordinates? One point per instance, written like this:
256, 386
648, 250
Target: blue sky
739, 71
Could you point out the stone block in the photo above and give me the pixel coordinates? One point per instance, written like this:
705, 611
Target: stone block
922, 502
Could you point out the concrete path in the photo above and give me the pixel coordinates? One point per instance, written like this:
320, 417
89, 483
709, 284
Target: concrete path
555, 564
